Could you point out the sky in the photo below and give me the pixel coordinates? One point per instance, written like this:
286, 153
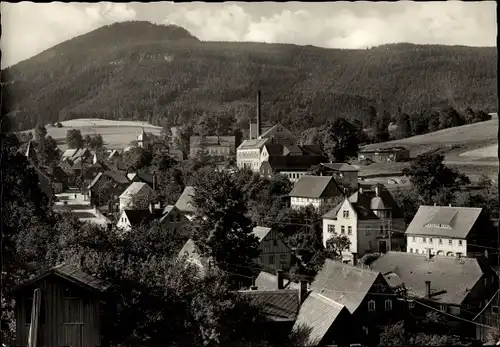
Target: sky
30, 28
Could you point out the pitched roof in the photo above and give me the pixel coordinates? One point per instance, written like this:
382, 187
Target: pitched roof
133, 189
184, 201
190, 250
137, 217
293, 162
260, 232
318, 313
114, 153
451, 278
456, 222
278, 305
346, 284
364, 203
30, 151
311, 150
267, 281
312, 186
72, 274
143, 176
195, 141
57, 172
95, 180
342, 167
252, 144
117, 177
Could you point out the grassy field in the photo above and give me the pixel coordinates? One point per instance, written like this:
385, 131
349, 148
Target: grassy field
466, 143
116, 134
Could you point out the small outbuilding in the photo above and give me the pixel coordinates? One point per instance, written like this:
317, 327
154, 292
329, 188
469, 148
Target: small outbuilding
69, 309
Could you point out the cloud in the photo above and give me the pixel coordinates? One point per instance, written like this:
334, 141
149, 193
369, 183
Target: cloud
29, 28
347, 25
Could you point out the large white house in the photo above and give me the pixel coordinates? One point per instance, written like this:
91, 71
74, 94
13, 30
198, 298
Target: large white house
445, 230
367, 218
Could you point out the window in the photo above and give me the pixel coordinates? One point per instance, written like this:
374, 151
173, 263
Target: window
460, 242
342, 229
331, 228
430, 239
365, 330
494, 309
371, 306
346, 214
271, 260
440, 241
275, 242
388, 305
424, 240
416, 250
349, 230
411, 250
283, 260
368, 230
381, 229
442, 308
450, 242
414, 239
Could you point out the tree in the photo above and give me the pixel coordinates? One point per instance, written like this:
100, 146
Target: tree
409, 202
309, 137
74, 139
449, 117
336, 244
137, 158
380, 132
96, 141
221, 230
40, 132
47, 153
404, 126
206, 126
339, 139
431, 177
181, 139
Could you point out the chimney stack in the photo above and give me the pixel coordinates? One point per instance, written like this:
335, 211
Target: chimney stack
302, 290
427, 289
279, 275
258, 115
355, 259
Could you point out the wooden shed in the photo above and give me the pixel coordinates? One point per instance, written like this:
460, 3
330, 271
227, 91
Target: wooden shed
69, 312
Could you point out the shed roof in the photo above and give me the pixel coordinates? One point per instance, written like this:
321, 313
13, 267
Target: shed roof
318, 313
260, 232
278, 305
342, 167
451, 279
312, 186
346, 284
70, 273
195, 141
446, 221
267, 281
293, 162
137, 217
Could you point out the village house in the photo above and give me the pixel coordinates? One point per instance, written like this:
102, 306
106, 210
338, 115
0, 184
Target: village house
144, 177
274, 253
449, 230
364, 292
69, 308
184, 204
76, 153
136, 190
106, 188
215, 146
459, 286
59, 178
293, 167
381, 155
343, 172
489, 319
318, 191
371, 220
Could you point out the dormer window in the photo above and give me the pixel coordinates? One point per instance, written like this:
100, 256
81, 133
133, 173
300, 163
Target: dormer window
346, 214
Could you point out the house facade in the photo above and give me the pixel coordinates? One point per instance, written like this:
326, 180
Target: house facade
380, 155
292, 166
370, 219
274, 252
345, 173
215, 146
319, 191
448, 230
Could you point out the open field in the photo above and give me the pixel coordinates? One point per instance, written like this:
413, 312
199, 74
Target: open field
116, 134
477, 140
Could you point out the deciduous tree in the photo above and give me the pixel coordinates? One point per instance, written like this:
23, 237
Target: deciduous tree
74, 139
339, 139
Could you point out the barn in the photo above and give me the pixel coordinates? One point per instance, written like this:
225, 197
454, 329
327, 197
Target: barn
69, 309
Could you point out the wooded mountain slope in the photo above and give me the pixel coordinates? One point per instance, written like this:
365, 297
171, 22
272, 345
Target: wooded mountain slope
162, 74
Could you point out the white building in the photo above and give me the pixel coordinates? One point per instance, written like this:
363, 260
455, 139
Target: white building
318, 191
169, 217
134, 191
367, 218
445, 230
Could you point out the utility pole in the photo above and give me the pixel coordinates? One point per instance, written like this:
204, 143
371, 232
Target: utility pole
390, 231
406, 312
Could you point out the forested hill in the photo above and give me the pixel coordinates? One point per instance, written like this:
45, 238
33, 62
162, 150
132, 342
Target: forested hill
143, 71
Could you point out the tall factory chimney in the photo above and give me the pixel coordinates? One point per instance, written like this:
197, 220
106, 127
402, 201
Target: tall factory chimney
258, 115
